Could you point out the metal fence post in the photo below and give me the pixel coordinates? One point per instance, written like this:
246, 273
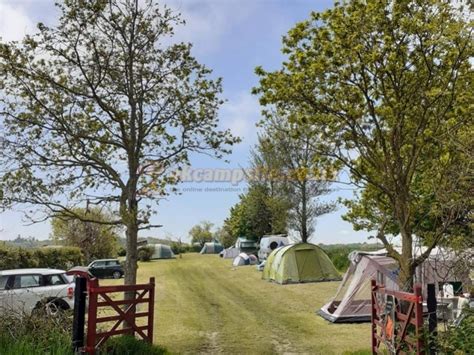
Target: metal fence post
79, 314
432, 318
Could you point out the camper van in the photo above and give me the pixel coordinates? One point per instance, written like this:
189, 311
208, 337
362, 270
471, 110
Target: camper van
268, 243
248, 246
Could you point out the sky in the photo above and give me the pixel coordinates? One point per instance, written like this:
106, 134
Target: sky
231, 37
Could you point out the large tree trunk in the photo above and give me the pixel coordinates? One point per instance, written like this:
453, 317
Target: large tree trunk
304, 214
407, 269
132, 254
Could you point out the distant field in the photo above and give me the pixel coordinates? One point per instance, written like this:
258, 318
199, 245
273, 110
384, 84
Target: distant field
204, 305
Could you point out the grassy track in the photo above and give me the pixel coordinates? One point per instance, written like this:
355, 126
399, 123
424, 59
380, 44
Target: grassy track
204, 305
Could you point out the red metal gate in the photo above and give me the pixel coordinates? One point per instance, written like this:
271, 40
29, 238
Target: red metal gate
125, 315
397, 320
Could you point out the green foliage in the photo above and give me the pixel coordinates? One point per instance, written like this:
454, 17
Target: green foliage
145, 253
388, 84
256, 214
100, 110
47, 257
121, 251
301, 174
96, 240
35, 334
179, 247
129, 345
338, 253
459, 340
224, 237
38, 335
201, 233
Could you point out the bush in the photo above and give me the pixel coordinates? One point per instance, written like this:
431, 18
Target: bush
35, 334
180, 248
129, 345
460, 339
58, 258
121, 252
145, 253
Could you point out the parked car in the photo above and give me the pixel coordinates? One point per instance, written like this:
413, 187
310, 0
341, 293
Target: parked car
26, 290
104, 268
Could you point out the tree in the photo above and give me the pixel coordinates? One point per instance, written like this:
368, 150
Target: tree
305, 176
389, 86
100, 109
224, 237
96, 241
266, 165
257, 213
201, 233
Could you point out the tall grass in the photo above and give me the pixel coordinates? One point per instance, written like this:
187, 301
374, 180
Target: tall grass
35, 334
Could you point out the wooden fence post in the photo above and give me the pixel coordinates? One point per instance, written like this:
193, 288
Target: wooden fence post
419, 320
373, 315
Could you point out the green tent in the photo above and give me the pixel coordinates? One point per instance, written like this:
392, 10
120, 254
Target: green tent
301, 262
212, 248
161, 251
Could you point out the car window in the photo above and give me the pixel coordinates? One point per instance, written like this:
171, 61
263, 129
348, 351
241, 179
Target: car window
22, 281
3, 282
53, 280
98, 264
112, 263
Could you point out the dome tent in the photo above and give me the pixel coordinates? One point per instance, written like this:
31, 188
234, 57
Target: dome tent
244, 259
298, 263
352, 302
229, 253
161, 251
211, 248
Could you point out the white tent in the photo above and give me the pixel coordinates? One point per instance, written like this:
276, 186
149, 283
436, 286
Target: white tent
229, 253
244, 259
352, 300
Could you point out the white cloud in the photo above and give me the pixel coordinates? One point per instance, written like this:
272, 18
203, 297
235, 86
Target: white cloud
14, 23
240, 114
208, 22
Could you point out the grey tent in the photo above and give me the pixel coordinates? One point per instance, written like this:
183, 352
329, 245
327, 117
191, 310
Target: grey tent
245, 259
212, 248
352, 301
161, 251
229, 253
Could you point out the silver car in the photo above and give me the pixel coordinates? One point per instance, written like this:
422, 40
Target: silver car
26, 290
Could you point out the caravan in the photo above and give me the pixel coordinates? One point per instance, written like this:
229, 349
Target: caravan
268, 243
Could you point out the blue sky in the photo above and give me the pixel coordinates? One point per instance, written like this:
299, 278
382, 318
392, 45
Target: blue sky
232, 37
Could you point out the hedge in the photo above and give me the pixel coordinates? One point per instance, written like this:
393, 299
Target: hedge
57, 258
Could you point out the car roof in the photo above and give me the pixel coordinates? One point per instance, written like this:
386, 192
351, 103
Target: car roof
104, 260
31, 271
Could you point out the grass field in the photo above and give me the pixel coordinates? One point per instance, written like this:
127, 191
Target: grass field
204, 305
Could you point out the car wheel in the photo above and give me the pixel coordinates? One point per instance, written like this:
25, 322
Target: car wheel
50, 308
117, 275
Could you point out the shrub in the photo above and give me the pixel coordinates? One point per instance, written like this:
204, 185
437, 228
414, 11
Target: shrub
58, 258
145, 253
129, 345
179, 248
35, 334
121, 252
460, 339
